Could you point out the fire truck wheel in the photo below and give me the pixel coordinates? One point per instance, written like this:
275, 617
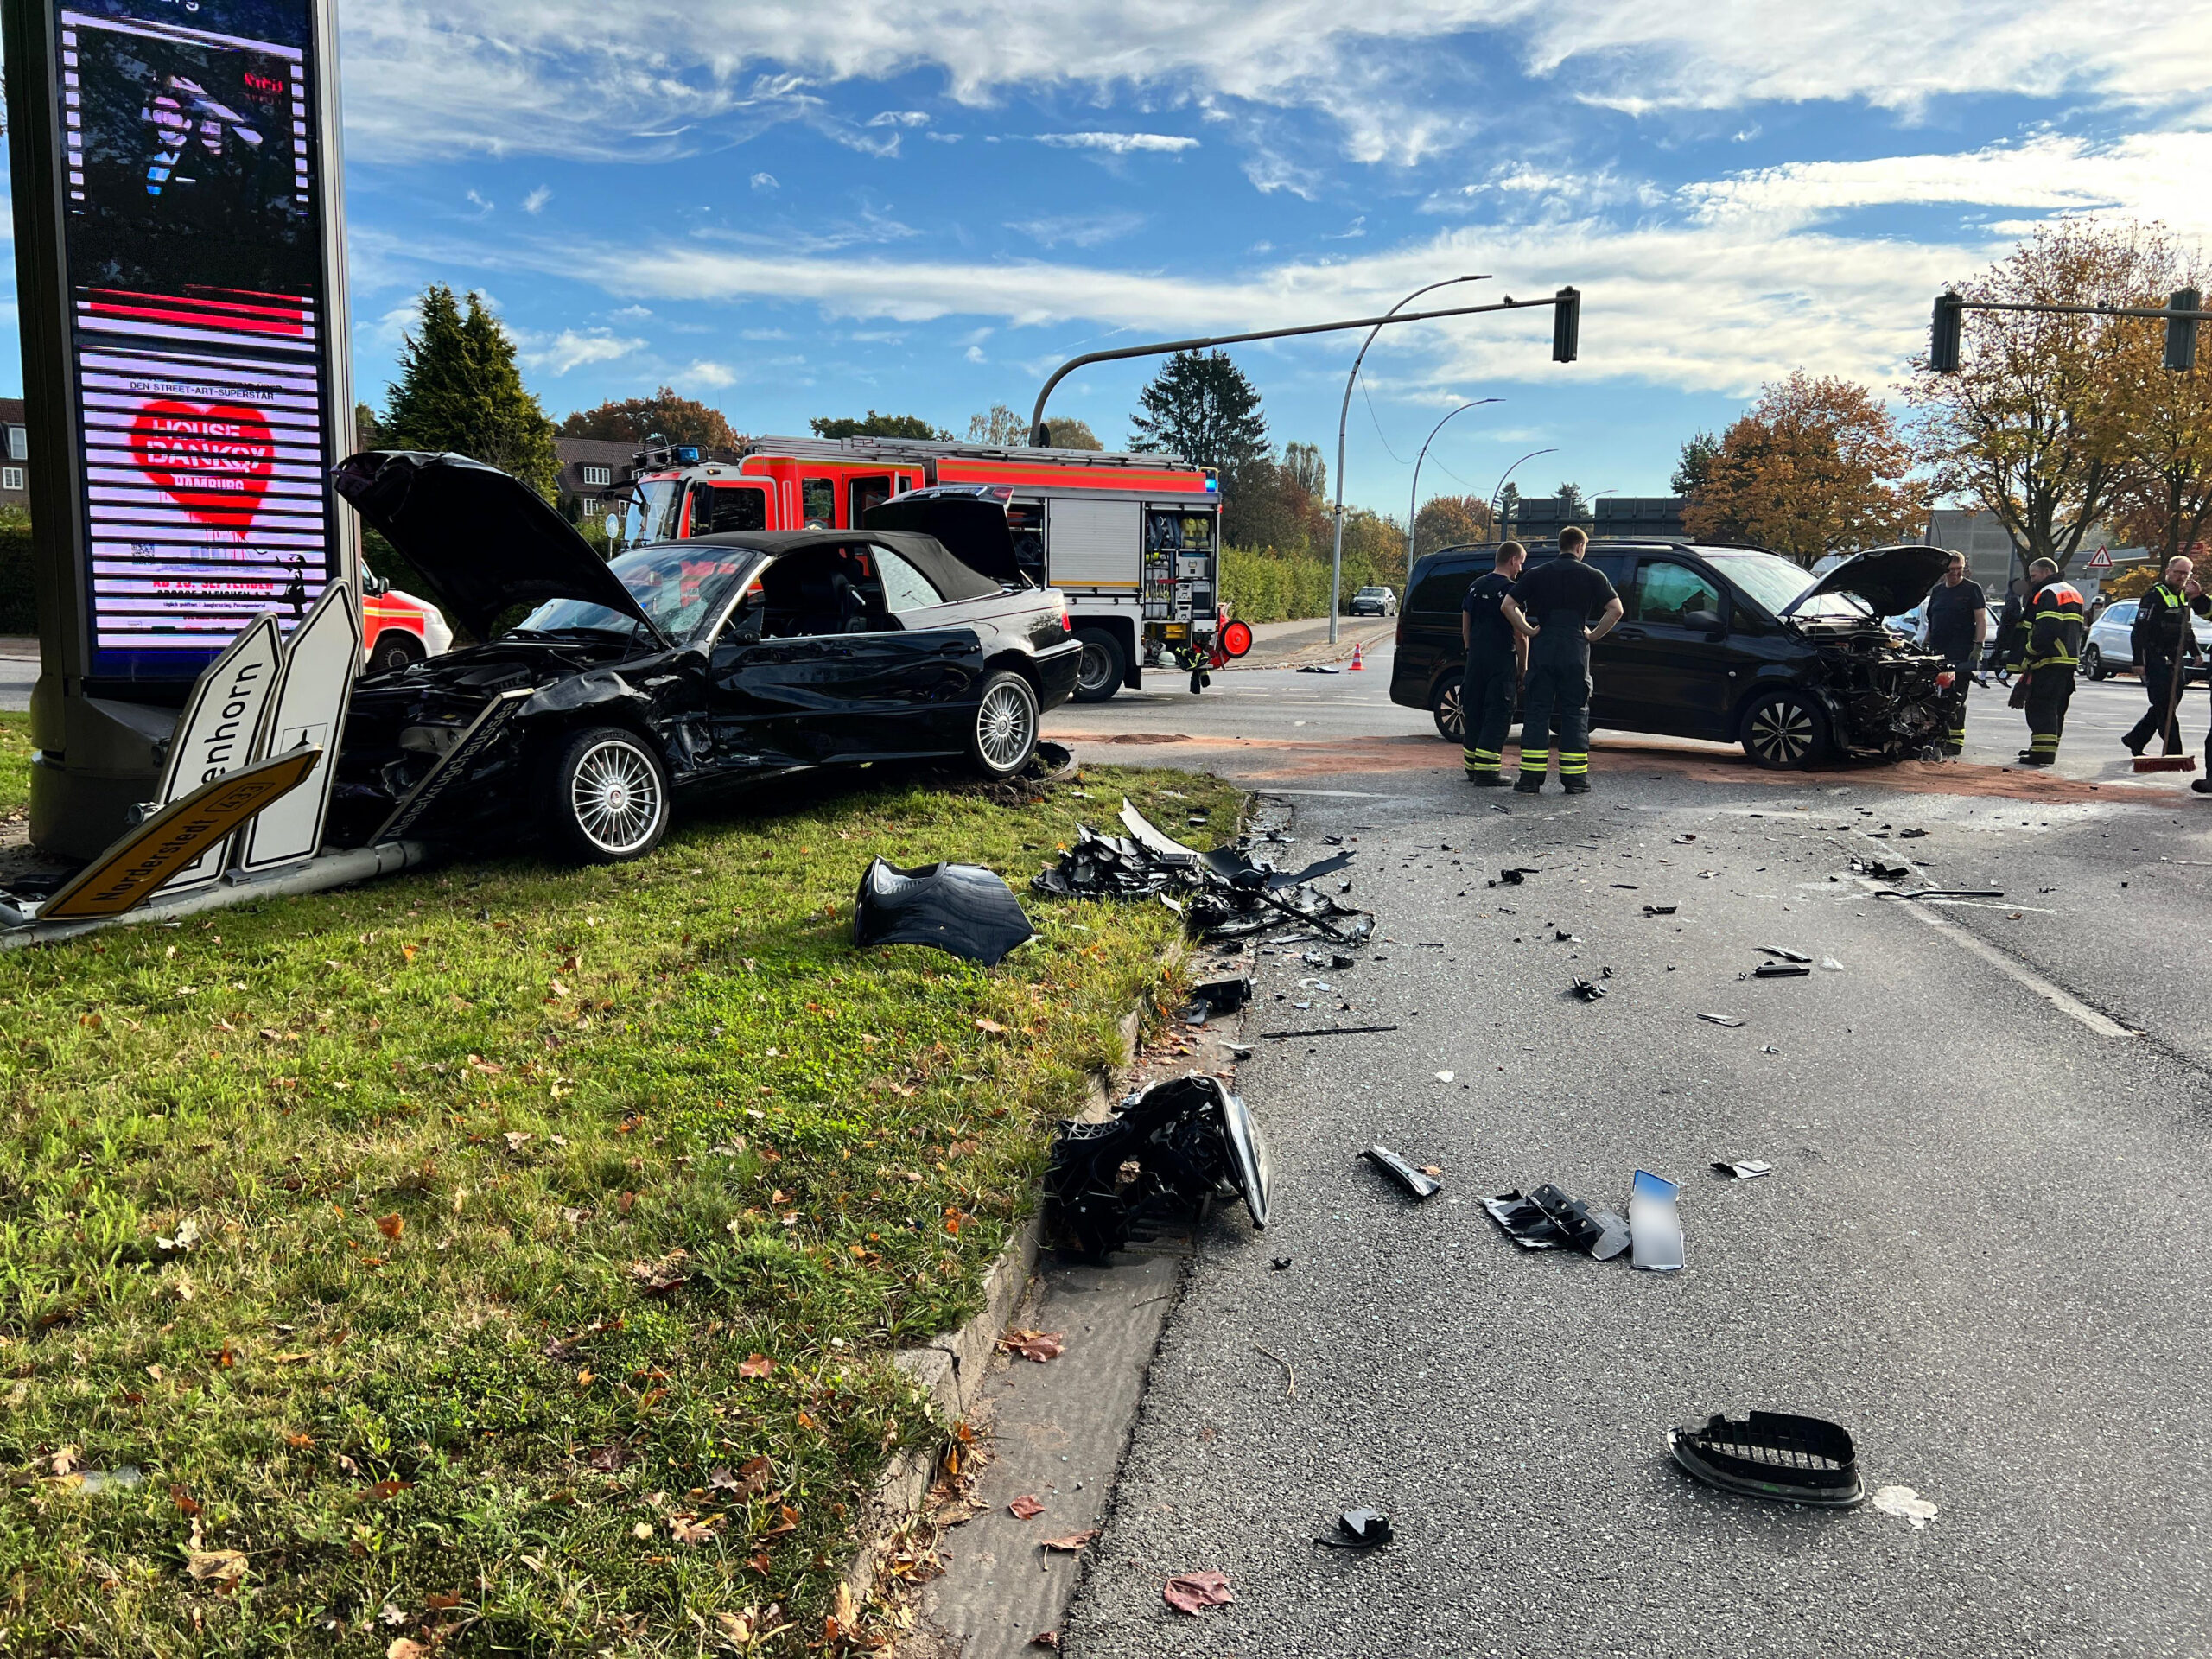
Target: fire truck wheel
1003, 736
394, 650
1098, 676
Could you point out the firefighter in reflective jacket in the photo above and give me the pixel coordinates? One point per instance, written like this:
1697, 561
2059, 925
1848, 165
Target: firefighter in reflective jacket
2045, 648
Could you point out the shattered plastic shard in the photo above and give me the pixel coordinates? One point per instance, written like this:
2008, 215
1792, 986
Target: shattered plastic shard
1728, 1020
963, 909
1189, 1137
1786, 954
1654, 1223
1359, 1529
1524, 1222
1223, 995
1597, 1233
1780, 971
1743, 1169
1586, 989
1773, 1454
1403, 1173
1660, 910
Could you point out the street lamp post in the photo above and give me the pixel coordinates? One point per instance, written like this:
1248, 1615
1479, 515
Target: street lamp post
1337, 554
1510, 471
1412, 502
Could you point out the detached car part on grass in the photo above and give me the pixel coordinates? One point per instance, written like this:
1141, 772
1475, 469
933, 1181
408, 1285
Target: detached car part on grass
963, 909
1163, 1154
680, 669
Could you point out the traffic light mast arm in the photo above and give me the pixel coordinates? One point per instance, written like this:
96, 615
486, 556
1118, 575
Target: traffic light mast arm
1566, 299
2180, 315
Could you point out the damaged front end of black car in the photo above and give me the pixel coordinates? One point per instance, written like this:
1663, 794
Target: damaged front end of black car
1887, 696
603, 692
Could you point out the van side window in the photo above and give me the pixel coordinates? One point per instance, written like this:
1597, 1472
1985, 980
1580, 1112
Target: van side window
1444, 584
1671, 593
717, 507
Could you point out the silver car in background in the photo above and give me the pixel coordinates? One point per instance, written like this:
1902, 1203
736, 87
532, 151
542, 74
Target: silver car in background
2108, 651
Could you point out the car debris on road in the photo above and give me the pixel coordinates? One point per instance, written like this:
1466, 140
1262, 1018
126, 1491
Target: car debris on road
1190, 1139
1773, 1454
1415, 1181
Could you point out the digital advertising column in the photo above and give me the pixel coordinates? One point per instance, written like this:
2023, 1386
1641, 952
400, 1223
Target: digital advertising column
180, 249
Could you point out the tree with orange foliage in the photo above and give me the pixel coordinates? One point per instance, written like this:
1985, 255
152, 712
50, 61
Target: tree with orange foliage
1815, 467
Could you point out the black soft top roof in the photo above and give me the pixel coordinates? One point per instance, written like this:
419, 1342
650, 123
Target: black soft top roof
927, 554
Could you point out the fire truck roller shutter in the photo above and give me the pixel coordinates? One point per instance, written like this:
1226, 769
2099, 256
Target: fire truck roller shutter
1093, 543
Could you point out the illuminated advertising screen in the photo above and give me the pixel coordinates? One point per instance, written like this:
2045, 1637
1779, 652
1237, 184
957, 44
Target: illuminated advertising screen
193, 273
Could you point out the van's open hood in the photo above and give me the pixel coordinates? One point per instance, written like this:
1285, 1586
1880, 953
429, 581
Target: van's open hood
483, 542
971, 524
1891, 580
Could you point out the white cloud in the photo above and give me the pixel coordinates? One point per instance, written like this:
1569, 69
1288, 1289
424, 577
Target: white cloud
703, 373
536, 200
582, 79
975, 354
1077, 230
1118, 143
764, 181
481, 206
572, 348
1744, 278
762, 333
899, 118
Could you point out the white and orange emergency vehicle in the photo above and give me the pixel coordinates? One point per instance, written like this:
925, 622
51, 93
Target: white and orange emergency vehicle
397, 628
1133, 542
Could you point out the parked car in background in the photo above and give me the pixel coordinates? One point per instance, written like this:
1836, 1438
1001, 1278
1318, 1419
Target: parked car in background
398, 628
1374, 601
1729, 644
2109, 651
712, 663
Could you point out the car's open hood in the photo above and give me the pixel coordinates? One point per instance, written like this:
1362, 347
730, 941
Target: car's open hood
1891, 580
483, 542
973, 528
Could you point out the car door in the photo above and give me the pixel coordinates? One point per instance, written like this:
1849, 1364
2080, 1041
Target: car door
1669, 666
2113, 634
913, 686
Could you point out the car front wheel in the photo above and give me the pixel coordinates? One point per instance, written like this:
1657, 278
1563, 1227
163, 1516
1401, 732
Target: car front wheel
606, 796
2093, 663
1785, 731
1004, 733
1451, 718
394, 649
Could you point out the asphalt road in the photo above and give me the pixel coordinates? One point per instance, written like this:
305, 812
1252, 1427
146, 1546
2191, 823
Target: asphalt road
1983, 1250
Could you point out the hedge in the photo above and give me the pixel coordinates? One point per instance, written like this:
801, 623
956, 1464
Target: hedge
1263, 585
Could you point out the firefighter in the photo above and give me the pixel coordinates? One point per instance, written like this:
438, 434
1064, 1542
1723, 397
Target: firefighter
2161, 632
1560, 608
1497, 658
2045, 646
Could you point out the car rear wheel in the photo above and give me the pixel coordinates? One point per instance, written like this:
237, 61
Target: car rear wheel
1785, 731
1098, 675
606, 796
1004, 735
1451, 718
394, 649
2093, 663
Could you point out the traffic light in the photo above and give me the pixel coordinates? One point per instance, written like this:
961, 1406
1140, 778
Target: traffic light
1943, 334
2181, 332
1567, 324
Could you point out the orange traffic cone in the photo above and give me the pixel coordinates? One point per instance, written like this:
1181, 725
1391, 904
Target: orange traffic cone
1356, 663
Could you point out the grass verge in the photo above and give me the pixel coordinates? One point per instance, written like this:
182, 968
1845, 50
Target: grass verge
506, 1259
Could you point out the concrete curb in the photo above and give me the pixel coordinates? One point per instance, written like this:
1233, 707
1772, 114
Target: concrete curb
951, 1368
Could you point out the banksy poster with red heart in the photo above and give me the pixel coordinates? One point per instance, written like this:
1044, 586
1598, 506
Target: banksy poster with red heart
213, 460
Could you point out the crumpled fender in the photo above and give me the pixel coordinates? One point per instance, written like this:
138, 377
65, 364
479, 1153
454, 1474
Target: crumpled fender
593, 688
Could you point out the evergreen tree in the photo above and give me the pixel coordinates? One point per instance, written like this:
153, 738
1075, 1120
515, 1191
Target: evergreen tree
1694, 470
873, 425
1200, 406
461, 389
633, 419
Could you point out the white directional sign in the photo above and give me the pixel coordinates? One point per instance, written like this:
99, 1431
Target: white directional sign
222, 728
310, 712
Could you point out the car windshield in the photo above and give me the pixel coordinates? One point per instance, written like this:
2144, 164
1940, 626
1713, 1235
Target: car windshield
1373, 592
1774, 583
683, 589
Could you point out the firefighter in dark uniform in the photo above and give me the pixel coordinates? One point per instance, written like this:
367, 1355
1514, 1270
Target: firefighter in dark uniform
1496, 658
2161, 632
1560, 607
2046, 647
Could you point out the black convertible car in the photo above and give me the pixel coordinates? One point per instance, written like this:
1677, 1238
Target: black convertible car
1730, 644
679, 668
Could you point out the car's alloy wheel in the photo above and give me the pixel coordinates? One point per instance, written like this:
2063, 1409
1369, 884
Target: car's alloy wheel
2093, 662
609, 795
1005, 733
1451, 717
1783, 732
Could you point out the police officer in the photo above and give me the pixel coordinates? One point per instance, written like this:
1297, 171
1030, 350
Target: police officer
2162, 632
2046, 647
1560, 608
1958, 622
1497, 656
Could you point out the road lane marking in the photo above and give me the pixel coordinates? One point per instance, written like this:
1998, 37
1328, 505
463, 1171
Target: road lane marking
2070, 1006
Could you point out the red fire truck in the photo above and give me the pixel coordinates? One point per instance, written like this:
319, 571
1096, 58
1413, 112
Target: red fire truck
1132, 541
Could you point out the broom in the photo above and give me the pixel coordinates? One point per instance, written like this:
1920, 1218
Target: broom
2172, 762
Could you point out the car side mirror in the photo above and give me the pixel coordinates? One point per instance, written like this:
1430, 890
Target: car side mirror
1709, 620
373, 586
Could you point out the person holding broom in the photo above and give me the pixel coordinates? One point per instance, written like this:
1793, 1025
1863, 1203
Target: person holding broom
2162, 635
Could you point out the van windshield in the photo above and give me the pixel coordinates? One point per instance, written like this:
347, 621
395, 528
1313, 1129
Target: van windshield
653, 512
1774, 583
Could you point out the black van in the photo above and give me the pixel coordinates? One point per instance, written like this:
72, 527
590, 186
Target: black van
1731, 643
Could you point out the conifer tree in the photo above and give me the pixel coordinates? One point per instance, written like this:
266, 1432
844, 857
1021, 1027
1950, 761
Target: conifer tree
461, 389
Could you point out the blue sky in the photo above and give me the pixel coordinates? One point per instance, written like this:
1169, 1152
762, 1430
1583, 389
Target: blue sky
792, 210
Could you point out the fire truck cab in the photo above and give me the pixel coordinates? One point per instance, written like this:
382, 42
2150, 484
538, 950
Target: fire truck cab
1132, 541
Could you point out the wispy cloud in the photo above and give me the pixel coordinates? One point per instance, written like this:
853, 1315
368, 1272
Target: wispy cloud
571, 348
764, 181
1077, 230
1119, 143
536, 200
